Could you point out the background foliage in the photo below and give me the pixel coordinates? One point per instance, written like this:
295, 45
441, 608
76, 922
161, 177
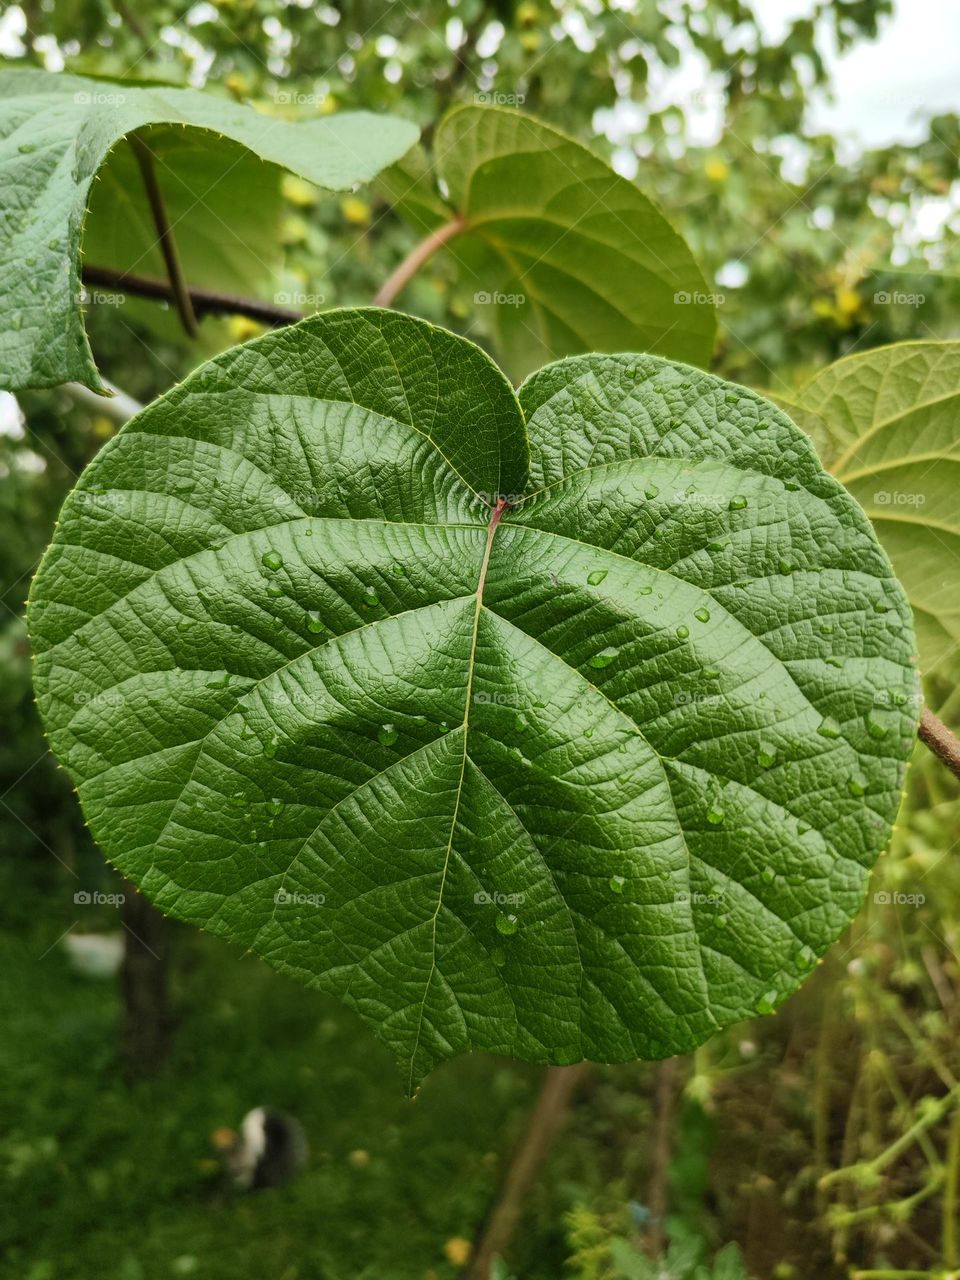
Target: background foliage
816, 253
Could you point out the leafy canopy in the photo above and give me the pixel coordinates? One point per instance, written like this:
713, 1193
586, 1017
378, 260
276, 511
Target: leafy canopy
591, 774
885, 423
563, 253
55, 134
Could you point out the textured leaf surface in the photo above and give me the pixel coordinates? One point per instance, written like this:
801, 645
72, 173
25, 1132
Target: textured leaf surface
596, 264
590, 780
886, 425
55, 134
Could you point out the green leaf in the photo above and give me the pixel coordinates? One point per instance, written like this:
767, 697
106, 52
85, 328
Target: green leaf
56, 132
562, 253
590, 776
223, 203
886, 425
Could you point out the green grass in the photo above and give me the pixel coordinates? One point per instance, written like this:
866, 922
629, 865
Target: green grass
103, 1179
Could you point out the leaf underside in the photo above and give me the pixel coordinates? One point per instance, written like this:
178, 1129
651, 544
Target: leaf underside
563, 254
590, 781
55, 134
886, 424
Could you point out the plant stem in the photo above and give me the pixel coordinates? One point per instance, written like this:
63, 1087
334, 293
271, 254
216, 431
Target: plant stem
897, 1275
168, 245
204, 301
950, 1253
398, 280
556, 1092
931, 1116
147, 1023
666, 1073
944, 744
117, 405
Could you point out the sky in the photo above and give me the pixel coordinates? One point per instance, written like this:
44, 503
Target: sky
883, 89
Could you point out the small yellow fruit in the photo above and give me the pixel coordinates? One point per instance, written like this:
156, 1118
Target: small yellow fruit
356, 211
242, 327
457, 1250
297, 191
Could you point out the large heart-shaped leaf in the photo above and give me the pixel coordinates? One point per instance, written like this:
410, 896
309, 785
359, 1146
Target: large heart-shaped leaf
562, 253
886, 425
545, 726
55, 134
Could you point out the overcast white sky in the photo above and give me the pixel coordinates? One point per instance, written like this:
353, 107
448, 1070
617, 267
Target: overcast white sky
883, 88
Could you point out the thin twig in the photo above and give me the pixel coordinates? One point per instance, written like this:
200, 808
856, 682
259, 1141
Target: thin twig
418, 255
547, 1117
944, 744
168, 246
205, 301
666, 1075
